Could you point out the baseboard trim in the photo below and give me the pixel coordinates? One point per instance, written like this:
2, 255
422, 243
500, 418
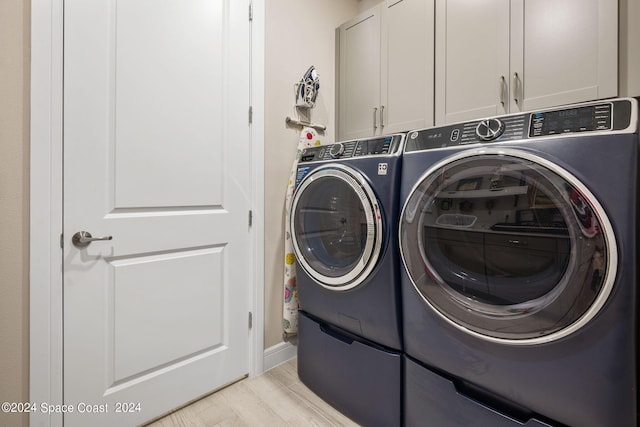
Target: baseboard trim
278, 354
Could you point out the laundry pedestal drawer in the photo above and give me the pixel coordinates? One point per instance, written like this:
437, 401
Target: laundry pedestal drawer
357, 377
433, 400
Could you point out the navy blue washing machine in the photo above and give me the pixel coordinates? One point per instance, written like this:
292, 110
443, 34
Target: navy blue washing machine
344, 217
518, 236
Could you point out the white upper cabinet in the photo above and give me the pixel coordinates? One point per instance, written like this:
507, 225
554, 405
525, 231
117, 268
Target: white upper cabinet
565, 50
386, 70
407, 65
472, 59
359, 71
505, 56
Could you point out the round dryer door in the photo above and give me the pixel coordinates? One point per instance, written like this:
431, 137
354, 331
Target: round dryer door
508, 246
336, 226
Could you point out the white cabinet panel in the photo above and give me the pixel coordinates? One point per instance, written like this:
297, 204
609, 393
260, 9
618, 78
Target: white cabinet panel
407, 65
472, 59
386, 69
500, 56
359, 75
569, 51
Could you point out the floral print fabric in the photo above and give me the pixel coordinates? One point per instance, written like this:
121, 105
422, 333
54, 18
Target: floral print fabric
308, 138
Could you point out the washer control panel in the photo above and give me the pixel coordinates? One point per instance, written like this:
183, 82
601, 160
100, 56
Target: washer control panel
382, 146
599, 116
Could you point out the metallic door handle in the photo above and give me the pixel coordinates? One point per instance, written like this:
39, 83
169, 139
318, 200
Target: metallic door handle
516, 87
503, 84
82, 239
375, 113
382, 115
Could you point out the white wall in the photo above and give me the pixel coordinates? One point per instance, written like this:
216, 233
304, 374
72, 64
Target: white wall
299, 33
629, 48
366, 4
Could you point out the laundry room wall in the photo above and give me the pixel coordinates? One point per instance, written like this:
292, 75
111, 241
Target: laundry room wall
366, 4
629, 13
299, 33
14, 205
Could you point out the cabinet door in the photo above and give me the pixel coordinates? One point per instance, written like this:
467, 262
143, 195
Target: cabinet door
359, 76
563, 52
407, 65
472, 59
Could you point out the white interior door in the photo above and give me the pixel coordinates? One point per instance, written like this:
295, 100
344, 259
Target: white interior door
156, 142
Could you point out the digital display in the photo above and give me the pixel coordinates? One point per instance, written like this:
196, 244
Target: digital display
569, 113
374, 146
582, 119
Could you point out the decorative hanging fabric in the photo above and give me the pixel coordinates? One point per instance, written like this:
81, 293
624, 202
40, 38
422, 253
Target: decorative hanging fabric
308, 138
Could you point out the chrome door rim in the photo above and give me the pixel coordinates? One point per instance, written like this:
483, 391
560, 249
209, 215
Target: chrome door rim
373, 245
607, 231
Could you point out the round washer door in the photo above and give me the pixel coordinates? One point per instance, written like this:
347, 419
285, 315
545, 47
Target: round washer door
336, 226
508, 246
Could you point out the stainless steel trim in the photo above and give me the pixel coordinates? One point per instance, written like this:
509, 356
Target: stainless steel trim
292, 122
373, 244
607, 230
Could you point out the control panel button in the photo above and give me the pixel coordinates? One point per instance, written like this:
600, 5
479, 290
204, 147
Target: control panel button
490, 129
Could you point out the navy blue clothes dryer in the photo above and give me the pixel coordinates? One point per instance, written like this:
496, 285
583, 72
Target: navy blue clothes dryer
518, 236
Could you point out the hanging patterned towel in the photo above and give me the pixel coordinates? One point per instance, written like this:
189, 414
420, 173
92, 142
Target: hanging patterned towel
308, 138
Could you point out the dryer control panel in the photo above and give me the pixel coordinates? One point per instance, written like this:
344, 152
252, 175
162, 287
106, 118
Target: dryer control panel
599, 116
382, 146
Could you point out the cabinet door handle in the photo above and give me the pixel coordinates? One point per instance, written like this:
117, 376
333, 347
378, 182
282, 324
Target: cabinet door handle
382, 115
502, 85
516, 88
375, 116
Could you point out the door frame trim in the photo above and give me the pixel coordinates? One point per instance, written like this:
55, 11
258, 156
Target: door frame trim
45, 268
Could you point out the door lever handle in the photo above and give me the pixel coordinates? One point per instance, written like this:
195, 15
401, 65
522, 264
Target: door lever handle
83, 238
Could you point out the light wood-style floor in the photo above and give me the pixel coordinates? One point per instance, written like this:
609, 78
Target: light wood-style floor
275, 398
